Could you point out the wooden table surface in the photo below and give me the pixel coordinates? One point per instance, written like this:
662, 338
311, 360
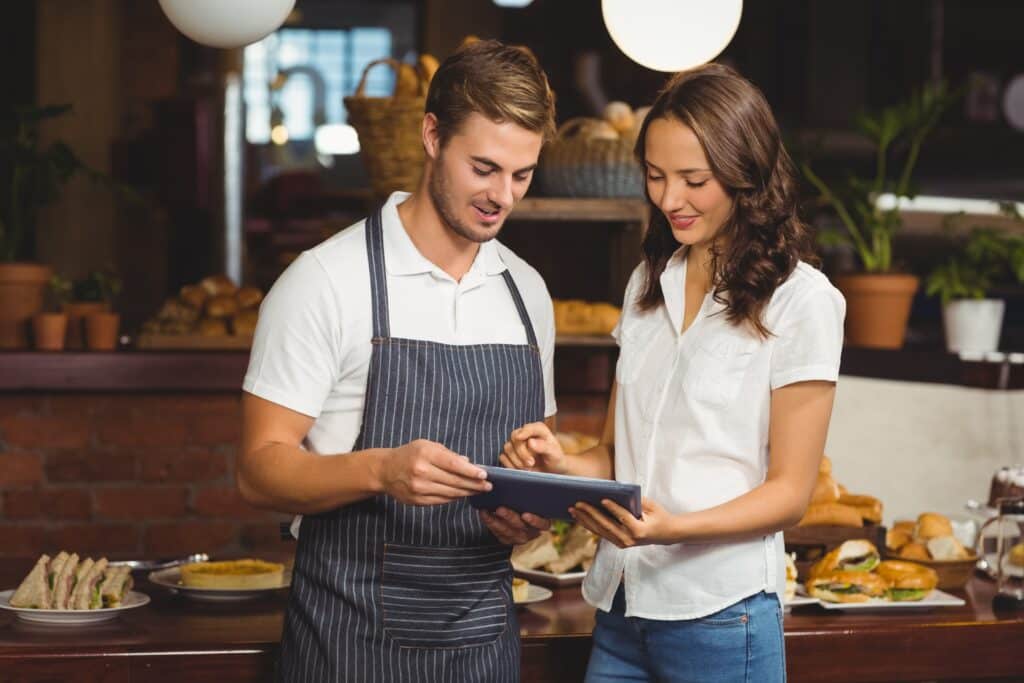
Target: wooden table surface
174, 638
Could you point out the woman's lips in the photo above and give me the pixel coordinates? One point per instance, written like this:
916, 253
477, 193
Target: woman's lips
486, 217
682, 222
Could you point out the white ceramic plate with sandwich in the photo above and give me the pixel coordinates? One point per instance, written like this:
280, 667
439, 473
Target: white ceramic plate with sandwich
225, 581
933, 600
65, 590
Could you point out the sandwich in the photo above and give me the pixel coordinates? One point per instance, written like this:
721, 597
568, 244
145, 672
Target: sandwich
116, 583
34, 591
856, 555
908, 581
87, 591
64, 581
847, 586
790, 577
535, 553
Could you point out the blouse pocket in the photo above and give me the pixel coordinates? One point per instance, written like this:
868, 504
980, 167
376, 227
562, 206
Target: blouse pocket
445, 597
716, 372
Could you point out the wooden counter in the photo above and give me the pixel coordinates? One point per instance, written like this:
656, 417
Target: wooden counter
174, 639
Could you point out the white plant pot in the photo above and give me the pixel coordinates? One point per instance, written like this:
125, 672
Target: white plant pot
973, 324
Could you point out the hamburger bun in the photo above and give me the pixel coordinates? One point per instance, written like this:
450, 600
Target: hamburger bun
825, 490
831, 514
914, 551
906, 525
908, 581
840, 586
930, 525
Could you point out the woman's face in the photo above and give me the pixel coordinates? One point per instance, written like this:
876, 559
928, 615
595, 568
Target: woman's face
680, 183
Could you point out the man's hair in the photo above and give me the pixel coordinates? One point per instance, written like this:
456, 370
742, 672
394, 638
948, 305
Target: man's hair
503, 83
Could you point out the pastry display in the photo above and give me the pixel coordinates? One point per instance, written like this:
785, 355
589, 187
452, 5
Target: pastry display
576, 317
930, 537
1008, 482
212, 308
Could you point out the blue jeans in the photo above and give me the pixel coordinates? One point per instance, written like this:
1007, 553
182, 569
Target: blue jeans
743, 642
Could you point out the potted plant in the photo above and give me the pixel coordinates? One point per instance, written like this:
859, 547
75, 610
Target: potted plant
102, 326
50, 328
972, 321
30, 177
878, 298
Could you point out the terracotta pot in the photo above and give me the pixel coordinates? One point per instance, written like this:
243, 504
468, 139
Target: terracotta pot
77, 312
877, 308
48, 330
22, 287
101, 331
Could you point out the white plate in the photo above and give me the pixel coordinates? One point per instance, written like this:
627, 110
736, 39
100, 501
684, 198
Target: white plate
535, 594
934, 599
171, 580
72, 617
549, 579
800, 600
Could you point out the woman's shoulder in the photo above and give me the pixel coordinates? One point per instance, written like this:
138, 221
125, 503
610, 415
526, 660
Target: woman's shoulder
805, 283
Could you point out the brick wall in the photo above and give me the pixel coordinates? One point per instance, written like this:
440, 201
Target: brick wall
143, 475
125, 475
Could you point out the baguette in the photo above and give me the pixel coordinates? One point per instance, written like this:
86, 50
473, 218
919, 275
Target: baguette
870, 508
831, 514
825, 490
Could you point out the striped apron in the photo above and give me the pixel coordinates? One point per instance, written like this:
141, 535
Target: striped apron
383, 591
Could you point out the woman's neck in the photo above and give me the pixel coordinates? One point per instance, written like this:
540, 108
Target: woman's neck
698, 265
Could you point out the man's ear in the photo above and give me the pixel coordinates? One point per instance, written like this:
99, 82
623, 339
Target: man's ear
431, 137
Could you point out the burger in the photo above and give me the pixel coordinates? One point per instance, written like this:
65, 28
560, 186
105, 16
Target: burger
908, 581
847, 586
857, 555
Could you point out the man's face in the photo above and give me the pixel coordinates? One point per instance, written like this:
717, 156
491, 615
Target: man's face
479, 175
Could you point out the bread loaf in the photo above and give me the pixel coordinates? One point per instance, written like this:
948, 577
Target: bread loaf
831, 514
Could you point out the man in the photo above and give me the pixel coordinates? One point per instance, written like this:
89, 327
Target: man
406, 349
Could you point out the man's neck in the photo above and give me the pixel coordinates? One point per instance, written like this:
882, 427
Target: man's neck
438, 243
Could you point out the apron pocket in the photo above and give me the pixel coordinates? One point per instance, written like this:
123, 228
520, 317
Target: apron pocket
445, 597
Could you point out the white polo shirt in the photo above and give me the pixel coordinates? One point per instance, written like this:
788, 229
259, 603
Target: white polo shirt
311, 351
691, 427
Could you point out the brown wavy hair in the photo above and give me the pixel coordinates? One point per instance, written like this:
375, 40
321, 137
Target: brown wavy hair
763, 239
501, 82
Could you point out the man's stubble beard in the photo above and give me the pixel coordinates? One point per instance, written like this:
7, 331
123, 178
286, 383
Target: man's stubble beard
437, 188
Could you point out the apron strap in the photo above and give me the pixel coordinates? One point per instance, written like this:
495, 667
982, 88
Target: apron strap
379, 284
521, 307
378, 276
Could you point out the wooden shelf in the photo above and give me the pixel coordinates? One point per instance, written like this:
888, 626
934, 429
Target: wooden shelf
585, 340
578, 209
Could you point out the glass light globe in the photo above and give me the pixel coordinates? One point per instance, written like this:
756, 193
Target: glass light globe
512, 3
227, 23
671, 35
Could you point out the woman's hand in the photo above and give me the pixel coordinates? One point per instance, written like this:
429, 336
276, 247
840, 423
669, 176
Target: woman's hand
534, 447
656, 527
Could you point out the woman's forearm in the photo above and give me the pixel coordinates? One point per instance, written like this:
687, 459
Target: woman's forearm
596, 462
771, 507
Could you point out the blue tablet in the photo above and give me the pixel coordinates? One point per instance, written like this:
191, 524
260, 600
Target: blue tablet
551, 495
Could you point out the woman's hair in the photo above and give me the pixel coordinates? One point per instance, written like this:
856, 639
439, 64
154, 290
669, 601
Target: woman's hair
501, 82
762, 240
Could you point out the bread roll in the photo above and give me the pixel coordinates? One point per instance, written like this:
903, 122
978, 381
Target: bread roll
620, 115
905, 525
930, 525
914, 551
831, 514
1017, 555
193, 296
897, 538
407, 82
222, 306
946, 548
212, 327
870, 508
825, 490
218, 285
244, 322
248, 297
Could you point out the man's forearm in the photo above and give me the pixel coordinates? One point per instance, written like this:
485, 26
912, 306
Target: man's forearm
289, 479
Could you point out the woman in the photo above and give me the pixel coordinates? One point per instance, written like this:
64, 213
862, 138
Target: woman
729, 354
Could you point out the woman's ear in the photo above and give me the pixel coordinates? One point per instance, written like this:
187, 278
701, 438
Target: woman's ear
431, 137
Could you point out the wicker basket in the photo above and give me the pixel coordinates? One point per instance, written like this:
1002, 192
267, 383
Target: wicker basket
390, 141
576, 166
